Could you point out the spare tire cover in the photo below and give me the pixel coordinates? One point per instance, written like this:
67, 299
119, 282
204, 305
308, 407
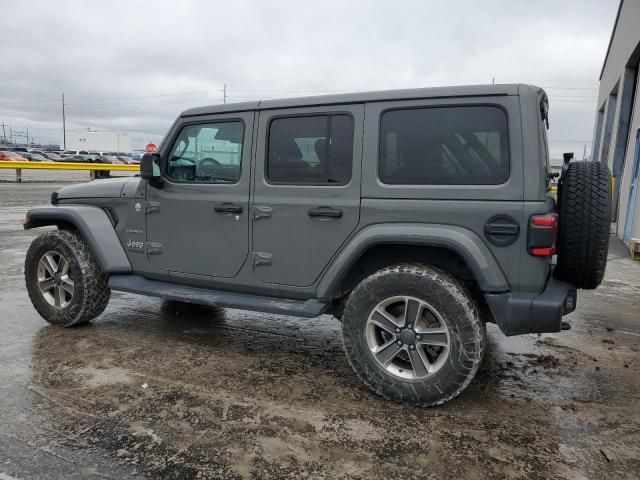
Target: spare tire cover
584, 207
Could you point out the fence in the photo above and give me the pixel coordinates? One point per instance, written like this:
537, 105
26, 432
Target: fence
92, 167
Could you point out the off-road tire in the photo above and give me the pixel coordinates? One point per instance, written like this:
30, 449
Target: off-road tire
584, 206
91, 292
454, 303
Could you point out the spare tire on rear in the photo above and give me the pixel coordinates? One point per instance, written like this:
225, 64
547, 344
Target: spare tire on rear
584, 207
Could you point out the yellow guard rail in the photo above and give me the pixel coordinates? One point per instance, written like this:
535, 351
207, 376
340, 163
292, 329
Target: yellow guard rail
92, 167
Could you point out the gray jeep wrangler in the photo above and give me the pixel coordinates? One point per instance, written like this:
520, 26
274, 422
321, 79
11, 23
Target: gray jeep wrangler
413, 216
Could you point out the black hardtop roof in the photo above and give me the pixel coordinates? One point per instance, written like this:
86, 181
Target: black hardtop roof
379, 96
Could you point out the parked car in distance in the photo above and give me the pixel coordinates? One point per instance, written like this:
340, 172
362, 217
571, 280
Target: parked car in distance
34, 157
75, 152
128, 160
107, 159
79, 158
53, 156
8, 156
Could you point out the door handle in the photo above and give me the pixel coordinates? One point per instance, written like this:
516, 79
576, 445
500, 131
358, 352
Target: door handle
228, 208
325, 212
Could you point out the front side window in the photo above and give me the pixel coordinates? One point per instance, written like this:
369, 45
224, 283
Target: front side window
207, 153
315, 150
444, 146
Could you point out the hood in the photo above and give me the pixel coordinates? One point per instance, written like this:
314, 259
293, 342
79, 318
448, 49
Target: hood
107, 188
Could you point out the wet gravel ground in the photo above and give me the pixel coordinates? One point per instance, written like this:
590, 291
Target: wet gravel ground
155, 390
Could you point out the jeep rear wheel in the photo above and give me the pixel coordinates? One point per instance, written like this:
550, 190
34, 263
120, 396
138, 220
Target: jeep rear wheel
584, 206
64, 282
413, 334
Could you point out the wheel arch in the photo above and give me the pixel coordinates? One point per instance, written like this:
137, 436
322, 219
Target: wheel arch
94, 226
452, 248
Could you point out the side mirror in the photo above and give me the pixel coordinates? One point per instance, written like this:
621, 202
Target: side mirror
150, 169
147, 164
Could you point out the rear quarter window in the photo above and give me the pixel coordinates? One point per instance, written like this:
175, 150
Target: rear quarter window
465, 145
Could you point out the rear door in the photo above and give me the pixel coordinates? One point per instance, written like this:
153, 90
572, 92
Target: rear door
456, 162
307, 190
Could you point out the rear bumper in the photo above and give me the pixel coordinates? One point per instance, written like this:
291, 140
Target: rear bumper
520, 313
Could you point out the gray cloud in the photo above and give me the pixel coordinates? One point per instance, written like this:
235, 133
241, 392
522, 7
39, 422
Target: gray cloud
133, 66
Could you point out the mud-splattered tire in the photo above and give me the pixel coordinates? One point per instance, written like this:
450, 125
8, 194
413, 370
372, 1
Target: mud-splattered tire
433, 322
584, 205
83, 286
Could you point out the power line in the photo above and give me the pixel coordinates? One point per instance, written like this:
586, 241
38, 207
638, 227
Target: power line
201, 92
265, 89
168, 102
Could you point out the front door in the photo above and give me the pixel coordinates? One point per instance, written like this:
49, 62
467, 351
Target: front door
197, 223
307, 190
633, 191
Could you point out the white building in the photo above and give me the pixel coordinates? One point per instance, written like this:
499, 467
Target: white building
617, 128
99, 141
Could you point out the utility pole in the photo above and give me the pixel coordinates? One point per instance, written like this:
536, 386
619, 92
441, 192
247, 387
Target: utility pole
4, 133
27, 135
118, 135
224, 94
64, 127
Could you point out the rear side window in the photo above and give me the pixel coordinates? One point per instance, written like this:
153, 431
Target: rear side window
444, 146
313, 150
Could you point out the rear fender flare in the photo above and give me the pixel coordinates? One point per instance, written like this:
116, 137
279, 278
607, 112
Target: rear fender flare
94, 226
464, 242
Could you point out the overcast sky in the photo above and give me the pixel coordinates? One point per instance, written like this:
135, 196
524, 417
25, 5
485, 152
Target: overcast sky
131, 67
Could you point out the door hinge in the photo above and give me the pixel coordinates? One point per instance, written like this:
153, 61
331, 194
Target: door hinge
151, 207
153, 248
261, 212
261, 258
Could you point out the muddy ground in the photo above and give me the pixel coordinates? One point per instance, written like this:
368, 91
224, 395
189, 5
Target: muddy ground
151, 390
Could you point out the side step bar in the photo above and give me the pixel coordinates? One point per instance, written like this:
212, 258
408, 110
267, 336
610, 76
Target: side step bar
171, 291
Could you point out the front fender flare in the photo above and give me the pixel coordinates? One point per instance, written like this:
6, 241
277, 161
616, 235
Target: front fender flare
94, 226
464, 242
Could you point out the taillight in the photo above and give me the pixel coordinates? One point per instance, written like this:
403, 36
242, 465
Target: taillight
543, 233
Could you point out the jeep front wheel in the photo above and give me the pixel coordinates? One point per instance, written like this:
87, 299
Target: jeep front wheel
64, 282
413, 334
